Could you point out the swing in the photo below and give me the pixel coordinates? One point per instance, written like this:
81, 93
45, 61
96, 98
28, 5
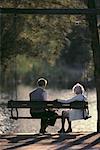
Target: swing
14, 105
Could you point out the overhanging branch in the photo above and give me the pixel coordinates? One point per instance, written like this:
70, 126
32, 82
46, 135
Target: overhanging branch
51, 11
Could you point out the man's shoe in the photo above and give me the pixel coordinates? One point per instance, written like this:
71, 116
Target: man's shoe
43, 131
68, 130
61, 131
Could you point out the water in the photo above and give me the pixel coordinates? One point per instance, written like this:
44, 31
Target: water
77, 126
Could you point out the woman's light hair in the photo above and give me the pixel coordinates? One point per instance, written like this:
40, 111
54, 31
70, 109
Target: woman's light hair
78, 85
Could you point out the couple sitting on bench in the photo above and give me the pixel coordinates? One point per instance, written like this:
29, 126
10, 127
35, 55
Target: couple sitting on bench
48, 117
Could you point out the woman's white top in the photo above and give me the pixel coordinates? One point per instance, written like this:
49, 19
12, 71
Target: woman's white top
75, 114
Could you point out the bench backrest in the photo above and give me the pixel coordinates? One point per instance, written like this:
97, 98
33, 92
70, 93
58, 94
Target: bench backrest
46, 104
40, 105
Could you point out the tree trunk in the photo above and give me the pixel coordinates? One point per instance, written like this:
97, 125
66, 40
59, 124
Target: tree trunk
92, 19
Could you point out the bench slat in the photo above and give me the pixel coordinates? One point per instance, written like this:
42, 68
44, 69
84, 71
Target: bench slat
20, 117
46, 104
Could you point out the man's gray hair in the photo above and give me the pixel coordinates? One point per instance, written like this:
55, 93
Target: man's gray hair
42, 82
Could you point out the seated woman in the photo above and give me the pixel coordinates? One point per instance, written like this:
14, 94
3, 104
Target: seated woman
73, 114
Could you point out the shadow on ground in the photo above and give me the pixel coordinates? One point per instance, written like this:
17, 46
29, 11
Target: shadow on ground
54, 141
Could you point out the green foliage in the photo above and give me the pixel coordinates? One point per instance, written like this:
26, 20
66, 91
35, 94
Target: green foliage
9, 36
43, 45
34, 35
43, 3
78, 52
24, 64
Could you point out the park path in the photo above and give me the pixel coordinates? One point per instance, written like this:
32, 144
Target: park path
71, 141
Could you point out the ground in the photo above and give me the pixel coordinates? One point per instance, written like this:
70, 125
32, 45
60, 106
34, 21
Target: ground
54, 141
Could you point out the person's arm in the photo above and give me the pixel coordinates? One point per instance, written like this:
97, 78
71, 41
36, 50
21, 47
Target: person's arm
61, 101
75, 98
66, 101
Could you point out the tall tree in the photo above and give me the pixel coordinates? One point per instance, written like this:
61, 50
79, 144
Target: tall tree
96, 55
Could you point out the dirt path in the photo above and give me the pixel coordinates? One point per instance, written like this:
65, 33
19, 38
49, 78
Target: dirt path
72, 141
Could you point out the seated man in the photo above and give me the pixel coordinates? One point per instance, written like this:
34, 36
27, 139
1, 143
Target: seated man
40, 94
73, 114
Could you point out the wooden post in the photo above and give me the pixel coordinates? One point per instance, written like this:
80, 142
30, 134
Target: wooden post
92, 19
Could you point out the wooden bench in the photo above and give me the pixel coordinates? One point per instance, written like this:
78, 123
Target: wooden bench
15, 105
